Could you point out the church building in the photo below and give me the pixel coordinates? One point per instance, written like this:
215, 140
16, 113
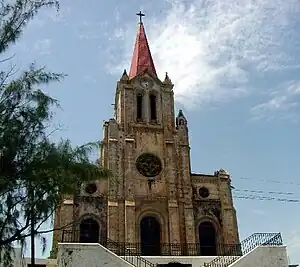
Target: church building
154, 204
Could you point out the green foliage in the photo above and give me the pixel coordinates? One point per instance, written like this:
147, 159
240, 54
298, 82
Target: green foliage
35, 173
15, 15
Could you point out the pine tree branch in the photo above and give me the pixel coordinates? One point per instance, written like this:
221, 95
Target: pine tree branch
7, 59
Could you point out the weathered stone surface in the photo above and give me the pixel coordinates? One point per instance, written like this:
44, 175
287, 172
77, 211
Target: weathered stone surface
75, 255
173, 195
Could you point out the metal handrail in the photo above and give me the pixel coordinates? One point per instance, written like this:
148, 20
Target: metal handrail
251, 242
166, 249
129, 255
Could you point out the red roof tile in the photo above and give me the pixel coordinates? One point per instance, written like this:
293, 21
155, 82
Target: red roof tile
141, 59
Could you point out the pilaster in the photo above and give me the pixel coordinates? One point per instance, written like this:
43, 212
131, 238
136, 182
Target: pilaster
174, 221
113, 221
130, 218
189, 223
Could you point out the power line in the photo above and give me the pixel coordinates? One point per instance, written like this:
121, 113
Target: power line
264, 192
256, 197
269, 181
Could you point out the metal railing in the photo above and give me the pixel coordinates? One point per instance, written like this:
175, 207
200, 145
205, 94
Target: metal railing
163, 249
72, 236
251, 242
128, 255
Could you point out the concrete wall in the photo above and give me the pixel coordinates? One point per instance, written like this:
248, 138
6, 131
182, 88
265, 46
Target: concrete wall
91, 255
264, 257
259, 257
47, 262
95, 255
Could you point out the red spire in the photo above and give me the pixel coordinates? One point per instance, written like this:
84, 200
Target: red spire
141, 59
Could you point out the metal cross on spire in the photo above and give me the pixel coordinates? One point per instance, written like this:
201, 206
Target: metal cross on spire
140, 14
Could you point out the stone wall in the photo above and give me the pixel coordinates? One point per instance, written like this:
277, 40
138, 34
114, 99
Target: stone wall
169, 196
90, 255
264, 257
95, 255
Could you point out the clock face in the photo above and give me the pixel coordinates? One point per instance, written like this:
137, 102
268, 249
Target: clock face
145, 83
148, 165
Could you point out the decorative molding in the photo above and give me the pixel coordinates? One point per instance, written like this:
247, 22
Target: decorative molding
211, 180
98, 202
211, 208
129, 203
149, 165
172, 204
113, 204
68, 202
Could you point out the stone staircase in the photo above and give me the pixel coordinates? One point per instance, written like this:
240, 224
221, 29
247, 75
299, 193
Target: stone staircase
251, 242
127, 254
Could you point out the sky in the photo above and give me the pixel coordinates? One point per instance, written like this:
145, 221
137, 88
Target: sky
235, 68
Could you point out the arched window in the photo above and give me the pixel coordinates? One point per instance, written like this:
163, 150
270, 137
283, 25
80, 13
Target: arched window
207, 238
139, 107
150, 236
153, 115
89, 231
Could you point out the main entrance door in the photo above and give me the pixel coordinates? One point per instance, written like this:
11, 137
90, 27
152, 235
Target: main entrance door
207, 238
89, 231
150, 236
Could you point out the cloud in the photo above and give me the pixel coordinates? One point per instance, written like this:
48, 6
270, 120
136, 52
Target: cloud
50, 16
43, 47
60, 16
212, 48
283, 102
86, 31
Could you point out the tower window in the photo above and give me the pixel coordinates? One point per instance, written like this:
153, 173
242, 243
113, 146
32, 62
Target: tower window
139, 105
153, 116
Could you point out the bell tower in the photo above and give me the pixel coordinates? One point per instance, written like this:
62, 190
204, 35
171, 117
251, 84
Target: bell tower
148, 151
141, 98
153, 203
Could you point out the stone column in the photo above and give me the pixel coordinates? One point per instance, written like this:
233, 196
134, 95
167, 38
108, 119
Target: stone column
187, 195
129, 181
189, 223
113, 221
171, 178
130, 231
174, 221
230, 227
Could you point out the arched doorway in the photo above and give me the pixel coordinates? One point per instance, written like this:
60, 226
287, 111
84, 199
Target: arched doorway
207, 239
89, 231
150, 236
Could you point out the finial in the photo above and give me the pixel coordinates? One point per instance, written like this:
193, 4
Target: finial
124, 76
180, 113
140, 14
180, 119
167, 79
223, 171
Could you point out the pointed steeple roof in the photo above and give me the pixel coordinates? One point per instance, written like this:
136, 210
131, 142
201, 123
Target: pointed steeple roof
141, 59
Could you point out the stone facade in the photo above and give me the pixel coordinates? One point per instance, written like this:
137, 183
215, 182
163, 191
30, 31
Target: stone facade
147, 148
174, 194
173, 197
